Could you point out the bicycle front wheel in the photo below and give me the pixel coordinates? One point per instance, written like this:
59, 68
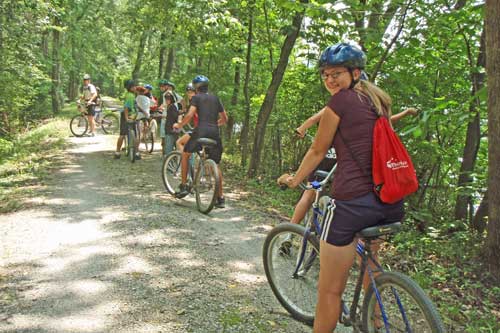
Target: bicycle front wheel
294, 286
206, 186
171, 171
110, 124
79, 125
407, 307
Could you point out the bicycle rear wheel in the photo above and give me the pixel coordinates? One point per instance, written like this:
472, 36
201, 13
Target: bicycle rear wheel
406, 305
131, 145
171, 171
206, 186
79, 125
110, 124
281, 252
149, 141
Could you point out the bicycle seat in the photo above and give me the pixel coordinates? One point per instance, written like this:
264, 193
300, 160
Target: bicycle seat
321, 174
380, 230
207, 142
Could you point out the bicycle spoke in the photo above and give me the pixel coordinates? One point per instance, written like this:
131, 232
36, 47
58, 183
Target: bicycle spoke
405, 305
299, 291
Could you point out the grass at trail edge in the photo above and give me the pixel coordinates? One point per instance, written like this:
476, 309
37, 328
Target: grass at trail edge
26, 160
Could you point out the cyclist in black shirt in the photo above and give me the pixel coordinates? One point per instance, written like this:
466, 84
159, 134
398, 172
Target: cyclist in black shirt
211, 115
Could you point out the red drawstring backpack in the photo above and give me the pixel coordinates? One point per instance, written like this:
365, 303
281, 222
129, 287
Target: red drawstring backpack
393, 174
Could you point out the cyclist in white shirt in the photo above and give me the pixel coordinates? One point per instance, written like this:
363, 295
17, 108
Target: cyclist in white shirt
89, 95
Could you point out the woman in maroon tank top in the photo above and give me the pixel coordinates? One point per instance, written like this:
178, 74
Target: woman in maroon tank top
350, 113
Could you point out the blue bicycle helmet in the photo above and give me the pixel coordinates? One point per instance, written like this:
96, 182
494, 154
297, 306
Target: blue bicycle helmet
343, 54
148, 86
200, 81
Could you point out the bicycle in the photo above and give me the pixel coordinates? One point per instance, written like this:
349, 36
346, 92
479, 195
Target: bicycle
203, 175
148, 128
79, 124
392, 303
130, 140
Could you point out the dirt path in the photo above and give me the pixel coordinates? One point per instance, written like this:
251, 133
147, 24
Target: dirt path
107, 250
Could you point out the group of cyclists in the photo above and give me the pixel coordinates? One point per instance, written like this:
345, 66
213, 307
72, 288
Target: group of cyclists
201, 108
344, 137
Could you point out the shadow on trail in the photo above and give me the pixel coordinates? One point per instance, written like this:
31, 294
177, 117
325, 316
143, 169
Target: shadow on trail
132, 258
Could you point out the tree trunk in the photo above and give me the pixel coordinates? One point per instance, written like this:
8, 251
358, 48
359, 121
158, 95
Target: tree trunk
492, 245
246, 120
56, 68
479, 220
73, 74
140, 55
163, 49
473, 137
267, 105
269, 39
170, 63
279, 148
234, 101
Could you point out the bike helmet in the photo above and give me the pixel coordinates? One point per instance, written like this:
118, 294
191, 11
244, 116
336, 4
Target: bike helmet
86, 77
170, 83
190, 87
129, 84
148, 86
163, 82
200, 81
343, 54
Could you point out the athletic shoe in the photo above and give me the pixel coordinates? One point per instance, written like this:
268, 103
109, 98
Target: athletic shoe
221, 202
138, 157
116, 156
183, 191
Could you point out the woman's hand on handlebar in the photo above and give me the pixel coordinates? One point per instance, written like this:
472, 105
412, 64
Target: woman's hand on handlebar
300, 132
287, 180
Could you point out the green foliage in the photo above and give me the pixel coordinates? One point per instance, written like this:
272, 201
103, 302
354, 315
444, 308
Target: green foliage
429, 67
26, 161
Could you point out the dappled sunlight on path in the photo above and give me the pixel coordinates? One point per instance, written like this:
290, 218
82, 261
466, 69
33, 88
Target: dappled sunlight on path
107, 250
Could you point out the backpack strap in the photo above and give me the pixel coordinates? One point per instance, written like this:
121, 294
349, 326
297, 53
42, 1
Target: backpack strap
358, 163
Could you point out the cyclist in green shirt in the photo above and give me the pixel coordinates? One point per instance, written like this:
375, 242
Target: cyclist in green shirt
129, 112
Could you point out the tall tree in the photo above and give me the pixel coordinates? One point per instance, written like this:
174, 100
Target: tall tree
246, 118
277, 76
140, 54
492, 246
473, 136
55, 91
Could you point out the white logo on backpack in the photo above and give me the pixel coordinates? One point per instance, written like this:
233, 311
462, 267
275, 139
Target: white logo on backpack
395, 164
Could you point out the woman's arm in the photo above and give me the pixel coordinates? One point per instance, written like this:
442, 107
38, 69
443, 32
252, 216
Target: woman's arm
313, 120
409, 111
187, 118
222, 118
322, 142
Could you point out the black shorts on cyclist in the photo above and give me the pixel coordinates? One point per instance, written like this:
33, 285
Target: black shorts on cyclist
192, 146
208, 107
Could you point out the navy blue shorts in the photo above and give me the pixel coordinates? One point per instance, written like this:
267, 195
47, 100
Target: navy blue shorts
343, 219
91, 110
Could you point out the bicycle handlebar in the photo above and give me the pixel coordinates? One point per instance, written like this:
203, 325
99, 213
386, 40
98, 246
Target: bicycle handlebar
315, 185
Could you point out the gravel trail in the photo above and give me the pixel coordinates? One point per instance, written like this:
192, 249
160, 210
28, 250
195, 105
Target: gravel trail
106, 249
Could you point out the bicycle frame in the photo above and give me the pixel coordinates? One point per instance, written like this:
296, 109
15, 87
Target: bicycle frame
363, 250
